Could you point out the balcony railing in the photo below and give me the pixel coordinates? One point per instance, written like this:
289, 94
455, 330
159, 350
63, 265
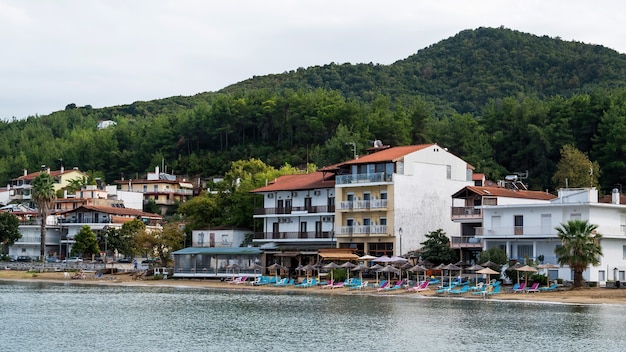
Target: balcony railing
288, 210
465, 242
459, 213
363, 204
363, 178
292, 235
362, 230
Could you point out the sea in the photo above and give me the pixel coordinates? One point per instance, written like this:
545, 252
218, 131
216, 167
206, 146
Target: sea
43, 316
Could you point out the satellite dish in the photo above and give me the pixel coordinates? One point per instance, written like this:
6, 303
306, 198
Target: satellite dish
378, 143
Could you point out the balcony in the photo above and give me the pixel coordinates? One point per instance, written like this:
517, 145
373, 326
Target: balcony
362, 230
363, 204
465, 242
362, 178
292, 235
466, 213
288, 210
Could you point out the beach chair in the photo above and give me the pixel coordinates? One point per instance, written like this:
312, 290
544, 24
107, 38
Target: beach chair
459, 291
478, 287
383, 286
396, 286
362, 286
338, 285
533, 288
520, 288
496, 290
549, 288
329, 284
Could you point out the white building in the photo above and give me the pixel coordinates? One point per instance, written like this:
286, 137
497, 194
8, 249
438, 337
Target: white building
527, 231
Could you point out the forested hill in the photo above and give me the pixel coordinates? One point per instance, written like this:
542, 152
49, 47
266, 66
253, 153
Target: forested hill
467, 70
503, 100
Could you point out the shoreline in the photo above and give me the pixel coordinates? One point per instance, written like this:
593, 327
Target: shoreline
585, 296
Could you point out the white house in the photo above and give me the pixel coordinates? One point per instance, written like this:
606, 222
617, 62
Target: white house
527, 231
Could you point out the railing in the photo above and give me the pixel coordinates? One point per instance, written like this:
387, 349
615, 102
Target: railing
363, 178
466, 213
362, 230
288, 210
465, 242
363, 204
292, 235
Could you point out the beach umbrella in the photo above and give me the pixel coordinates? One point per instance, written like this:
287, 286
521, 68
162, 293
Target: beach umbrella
490, 264
382, 259
487, 271
389, 269
233, 267
396, 259
450, 267
306, 269
255, 267
526, 269
330, 266
366, 257
360, 268
375, 268
276, 268
461, 264
418, 268
440, 267
348, 266
547, 267
475, 268
405, 266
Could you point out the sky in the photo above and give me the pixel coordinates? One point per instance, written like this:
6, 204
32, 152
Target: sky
114, 52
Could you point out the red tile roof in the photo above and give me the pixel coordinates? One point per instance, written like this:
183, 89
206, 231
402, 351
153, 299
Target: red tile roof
53, 173
503, 192
113, 211
299, 182
387, 155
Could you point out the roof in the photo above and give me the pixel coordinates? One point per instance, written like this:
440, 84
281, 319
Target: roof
337, 254
219, 251
299, 182
113, 211
53, 174
502, 192
388, 155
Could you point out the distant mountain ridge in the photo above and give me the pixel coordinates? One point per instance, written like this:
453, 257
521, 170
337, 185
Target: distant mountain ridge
466, 70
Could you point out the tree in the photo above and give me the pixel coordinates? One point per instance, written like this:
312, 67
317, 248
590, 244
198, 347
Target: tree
436, 249
86, 243
495, 255
580, 247
161, 243
43, 194
123, 240
575, 169
9, 229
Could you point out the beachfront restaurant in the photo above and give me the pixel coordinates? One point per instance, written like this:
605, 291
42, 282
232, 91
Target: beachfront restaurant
216, 262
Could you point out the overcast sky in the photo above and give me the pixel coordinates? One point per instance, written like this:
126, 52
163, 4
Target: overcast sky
110, 52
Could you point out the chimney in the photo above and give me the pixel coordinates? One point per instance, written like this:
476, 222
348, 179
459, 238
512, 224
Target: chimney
62, 169
25, 172
615, 196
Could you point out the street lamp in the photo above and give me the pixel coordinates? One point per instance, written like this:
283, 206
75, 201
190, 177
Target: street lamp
400, 233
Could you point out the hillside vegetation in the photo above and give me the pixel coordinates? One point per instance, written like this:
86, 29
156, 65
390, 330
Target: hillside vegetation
503, 100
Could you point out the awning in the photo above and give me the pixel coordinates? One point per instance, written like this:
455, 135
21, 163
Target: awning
219, 251
333, 254
185, 185
286, 254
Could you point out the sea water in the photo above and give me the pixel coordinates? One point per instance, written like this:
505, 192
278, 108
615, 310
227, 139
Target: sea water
37, 316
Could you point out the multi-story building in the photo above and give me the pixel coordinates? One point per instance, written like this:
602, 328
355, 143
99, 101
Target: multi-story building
298, 215
469, 213
528, 231
388, 200
20, 189
165, 190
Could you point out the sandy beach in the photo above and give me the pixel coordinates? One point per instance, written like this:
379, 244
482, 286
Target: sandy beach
597, 295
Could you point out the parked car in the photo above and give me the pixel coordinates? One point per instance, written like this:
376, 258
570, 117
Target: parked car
24, 258
73, 260
53, 260
155, 261
125, 260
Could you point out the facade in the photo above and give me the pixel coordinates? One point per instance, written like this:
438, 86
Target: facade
297, 216
165, 190
389, 199
527, 231
218, 237
20, 188
469, 215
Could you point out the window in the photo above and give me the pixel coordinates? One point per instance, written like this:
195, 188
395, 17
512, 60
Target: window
383, 221
383, 195
518, 224
623, 252
156, 188
307, 202
622, 275
524, 251
601, 275
201, 239
448, 171
546, 223
574, 216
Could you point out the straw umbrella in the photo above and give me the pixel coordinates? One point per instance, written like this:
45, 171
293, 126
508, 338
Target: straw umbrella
306, 269
547, 267
233, 267
348, 266
527, 269
389, 269
418, 268
450, 267
360, 268
276, 268
440, 267
475, 268
376, 269
487, 271
330, 266
255, 267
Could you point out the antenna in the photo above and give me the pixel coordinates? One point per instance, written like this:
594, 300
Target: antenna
353, 149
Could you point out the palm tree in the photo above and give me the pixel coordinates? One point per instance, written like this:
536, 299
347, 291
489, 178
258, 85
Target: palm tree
580, 247
43, 194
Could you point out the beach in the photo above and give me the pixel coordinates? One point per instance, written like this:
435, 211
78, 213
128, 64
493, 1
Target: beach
596, 295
